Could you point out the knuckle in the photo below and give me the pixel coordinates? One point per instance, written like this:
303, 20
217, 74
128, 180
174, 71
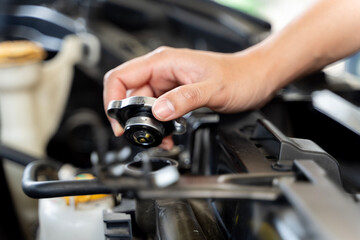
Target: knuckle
191, 95
163, 50
108, 75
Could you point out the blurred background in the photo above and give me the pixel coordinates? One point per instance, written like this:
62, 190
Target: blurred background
50, 105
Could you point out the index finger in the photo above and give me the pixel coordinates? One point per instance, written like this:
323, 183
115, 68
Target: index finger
138, 72
117, 81
130, 75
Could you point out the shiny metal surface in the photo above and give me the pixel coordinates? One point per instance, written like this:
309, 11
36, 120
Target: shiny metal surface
322, 204
338, 109
141, 128
118, 109
144, 136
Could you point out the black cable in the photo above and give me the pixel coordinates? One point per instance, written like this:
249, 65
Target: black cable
16, 156
56, 188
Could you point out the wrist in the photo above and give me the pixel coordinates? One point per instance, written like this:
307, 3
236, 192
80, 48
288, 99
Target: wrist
283, 61
264, 67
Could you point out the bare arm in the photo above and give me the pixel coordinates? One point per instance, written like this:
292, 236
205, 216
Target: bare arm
325, 33
184, 79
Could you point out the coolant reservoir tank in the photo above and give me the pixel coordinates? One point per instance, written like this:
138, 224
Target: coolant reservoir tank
73, 218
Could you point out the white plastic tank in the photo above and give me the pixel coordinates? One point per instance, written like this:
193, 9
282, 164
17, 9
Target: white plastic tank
59, 221
73, 218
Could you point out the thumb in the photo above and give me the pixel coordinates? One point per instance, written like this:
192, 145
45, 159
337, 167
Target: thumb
180, 101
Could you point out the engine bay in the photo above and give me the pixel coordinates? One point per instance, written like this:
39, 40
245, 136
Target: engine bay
286, 171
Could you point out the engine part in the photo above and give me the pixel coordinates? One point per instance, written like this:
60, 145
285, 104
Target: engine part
117, 225
141, 127
266, 133
145, 210
16, 156
206, 219
156, 164
233, 186
76, 217
176, 220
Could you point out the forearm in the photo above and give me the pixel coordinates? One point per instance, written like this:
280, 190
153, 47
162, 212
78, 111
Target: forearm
325, 33
184, 80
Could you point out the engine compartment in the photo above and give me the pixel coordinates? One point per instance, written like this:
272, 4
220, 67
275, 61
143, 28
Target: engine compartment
251, 175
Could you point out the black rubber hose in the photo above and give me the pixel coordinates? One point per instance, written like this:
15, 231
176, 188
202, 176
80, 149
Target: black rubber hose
176, 220
15, 155
48, 189
56, 188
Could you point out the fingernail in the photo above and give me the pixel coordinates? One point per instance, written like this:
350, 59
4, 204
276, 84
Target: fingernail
163, 109
117, 129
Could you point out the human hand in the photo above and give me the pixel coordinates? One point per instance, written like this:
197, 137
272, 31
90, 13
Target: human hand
184, 80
